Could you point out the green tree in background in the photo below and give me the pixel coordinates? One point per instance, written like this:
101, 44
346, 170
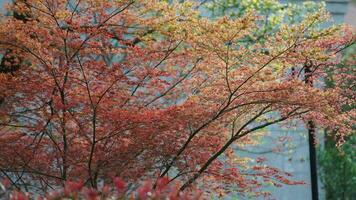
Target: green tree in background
338, 169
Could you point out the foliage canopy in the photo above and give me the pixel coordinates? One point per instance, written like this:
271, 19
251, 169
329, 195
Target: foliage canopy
146, 88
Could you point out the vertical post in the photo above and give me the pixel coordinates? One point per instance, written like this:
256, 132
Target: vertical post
311, 133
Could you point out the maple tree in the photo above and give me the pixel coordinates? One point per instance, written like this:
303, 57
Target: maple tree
118, 190
147, 88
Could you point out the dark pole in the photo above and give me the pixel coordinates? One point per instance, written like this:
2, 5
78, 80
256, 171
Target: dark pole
311, 133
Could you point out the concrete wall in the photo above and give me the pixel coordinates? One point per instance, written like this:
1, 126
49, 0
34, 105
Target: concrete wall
350, 17
293, 158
